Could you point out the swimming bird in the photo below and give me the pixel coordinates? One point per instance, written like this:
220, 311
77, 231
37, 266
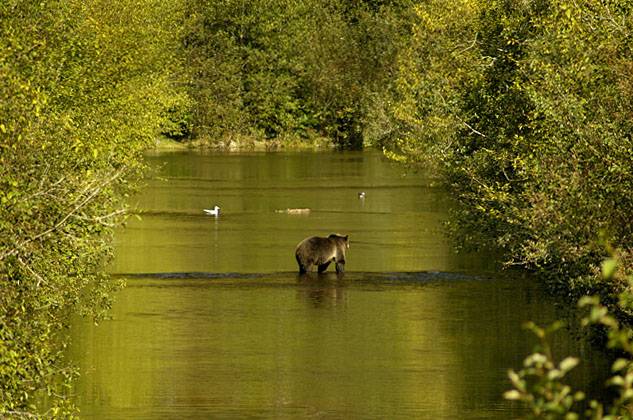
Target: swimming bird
361, 195
215, 212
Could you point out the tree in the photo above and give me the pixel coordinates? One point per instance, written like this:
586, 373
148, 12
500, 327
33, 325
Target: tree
88, 88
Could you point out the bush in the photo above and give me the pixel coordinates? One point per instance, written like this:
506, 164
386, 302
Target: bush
87, 88
526, 107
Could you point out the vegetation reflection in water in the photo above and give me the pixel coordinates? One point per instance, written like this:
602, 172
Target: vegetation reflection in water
397, 336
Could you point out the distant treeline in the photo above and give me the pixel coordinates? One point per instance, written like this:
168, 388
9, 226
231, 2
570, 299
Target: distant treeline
285, 68
525, 108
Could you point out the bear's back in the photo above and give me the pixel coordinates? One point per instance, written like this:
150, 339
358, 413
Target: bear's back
314, 243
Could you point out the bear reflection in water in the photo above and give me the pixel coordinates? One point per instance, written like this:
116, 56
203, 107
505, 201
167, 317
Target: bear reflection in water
322, 289
321, 252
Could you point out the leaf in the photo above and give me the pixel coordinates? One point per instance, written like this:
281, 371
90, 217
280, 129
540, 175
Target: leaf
569, 363
597, 314
616, 380
628, 395
620, 364
588, 300
513, 395
516, 380
609, 268
531, 326
535, 359
554, 374
555, 326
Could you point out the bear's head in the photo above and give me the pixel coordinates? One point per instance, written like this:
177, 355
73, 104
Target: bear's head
340, 239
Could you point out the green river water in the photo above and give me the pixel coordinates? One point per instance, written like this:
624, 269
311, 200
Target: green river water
216, 323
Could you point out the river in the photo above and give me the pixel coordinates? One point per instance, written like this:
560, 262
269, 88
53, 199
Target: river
216, 323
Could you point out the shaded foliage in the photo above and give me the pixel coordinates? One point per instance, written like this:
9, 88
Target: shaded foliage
271, 69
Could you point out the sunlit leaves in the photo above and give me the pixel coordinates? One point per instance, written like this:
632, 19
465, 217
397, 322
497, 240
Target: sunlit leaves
434, 66
527, 106
85, 87
540, 383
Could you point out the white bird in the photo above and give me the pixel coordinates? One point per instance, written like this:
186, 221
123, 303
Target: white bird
361, 195
215, 212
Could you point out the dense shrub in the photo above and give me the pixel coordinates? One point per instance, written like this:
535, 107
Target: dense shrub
85, 87
271, 69
526, 107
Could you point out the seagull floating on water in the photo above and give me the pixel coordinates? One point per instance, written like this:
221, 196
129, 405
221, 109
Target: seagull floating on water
215, 212
361, 195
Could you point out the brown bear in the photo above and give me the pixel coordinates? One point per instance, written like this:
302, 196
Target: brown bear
321, 252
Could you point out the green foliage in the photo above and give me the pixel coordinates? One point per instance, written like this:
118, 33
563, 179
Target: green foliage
526, 108
86, 88
540, 384
289, 68
581, 132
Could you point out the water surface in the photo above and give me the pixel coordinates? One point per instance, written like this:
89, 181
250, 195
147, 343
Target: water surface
397, 227
215, 323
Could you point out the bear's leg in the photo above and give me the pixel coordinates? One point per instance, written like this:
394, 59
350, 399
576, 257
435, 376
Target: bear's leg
340, 266
323, 267
302, 268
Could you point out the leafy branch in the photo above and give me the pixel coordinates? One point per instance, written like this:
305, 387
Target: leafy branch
540, 383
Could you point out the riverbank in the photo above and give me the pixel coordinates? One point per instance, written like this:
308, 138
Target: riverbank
533, 132
243, 143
